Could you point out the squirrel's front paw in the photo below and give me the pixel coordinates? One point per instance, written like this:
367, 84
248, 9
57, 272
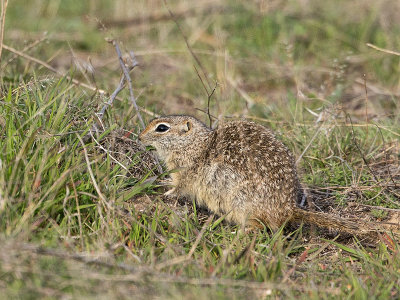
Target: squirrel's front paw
170, 192
166, 181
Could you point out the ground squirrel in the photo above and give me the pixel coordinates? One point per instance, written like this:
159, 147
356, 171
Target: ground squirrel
239, 169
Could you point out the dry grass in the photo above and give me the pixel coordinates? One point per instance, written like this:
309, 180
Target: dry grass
85, 218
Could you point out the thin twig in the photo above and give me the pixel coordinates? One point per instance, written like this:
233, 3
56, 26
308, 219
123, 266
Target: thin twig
47, 66
129, 80
73, 80
125, 78
206, 112
119, 88
132, 96
188, 45
4, 4
26, 48
201, 79
383, 49
208, 103
209, 90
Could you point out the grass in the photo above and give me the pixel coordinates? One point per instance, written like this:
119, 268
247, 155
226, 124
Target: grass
82, 216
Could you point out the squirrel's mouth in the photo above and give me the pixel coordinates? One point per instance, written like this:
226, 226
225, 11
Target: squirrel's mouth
144, 143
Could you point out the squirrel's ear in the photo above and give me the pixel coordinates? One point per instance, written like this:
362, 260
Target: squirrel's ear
188, 126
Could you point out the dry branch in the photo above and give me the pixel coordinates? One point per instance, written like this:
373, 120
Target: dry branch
73, 80
27, 48
125, 78
383, 49
128, 79
173, 17
3, 20
119, 88
209, 90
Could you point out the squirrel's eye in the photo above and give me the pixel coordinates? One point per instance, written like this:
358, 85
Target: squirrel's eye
162, 128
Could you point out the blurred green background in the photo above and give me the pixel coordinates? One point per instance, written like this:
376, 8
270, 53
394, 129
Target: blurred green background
269, 51
300, 67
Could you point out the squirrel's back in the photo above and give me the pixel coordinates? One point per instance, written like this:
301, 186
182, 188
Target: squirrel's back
265, 183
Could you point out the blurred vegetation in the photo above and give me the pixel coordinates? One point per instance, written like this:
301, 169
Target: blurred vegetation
301, 68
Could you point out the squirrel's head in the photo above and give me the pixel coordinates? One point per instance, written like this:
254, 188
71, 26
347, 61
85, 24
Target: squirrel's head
174, 133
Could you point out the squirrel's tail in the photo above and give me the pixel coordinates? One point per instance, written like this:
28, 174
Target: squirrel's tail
333, 222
